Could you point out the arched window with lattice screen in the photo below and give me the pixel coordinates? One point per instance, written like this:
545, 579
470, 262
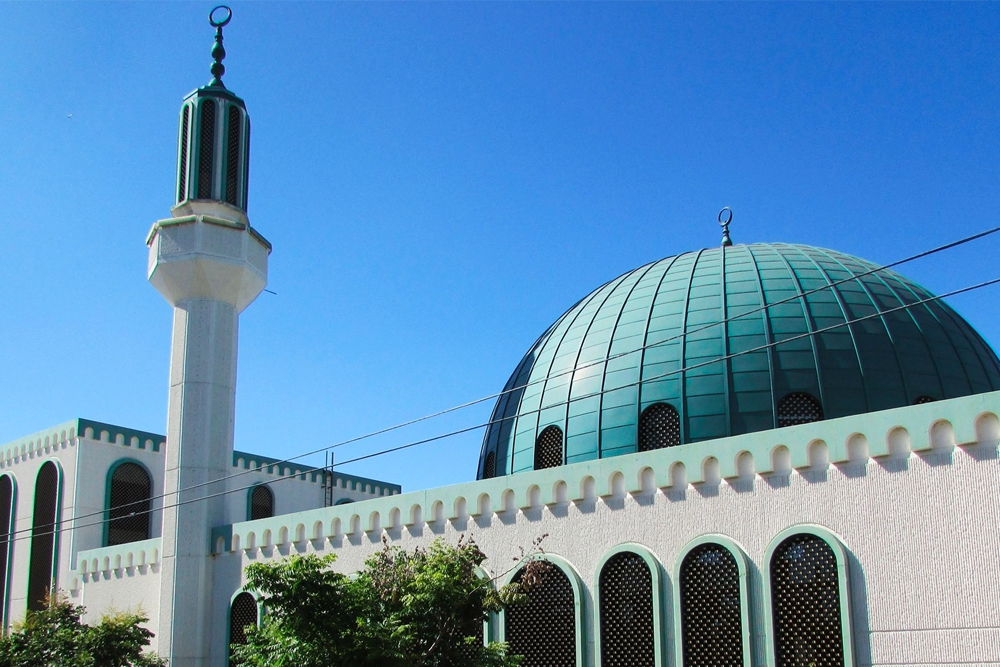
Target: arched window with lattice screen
44, 532
798, 408
206, 151
712, 609
490, 466
243, 612
659, 427
807, 585
549, 448
626, 601
544, 630
7, 513
261, 502
130, 499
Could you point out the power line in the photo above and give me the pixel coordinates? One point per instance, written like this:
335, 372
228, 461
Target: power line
13, 536
610, 357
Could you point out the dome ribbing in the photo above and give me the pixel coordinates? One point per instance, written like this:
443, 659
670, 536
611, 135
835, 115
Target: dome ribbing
662, 327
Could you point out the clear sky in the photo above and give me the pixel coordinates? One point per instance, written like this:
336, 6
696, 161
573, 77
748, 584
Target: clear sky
441, 181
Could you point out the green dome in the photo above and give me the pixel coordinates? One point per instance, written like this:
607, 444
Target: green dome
646, 360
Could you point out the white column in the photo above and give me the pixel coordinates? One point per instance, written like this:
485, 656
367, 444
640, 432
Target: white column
209, 268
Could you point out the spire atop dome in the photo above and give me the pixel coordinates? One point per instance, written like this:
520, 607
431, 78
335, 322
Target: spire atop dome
726, 217
219, 18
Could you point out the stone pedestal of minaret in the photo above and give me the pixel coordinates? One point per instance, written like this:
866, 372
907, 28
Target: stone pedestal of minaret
209, 264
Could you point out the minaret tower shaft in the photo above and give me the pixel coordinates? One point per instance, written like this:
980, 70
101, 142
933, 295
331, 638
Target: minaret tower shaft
210, 265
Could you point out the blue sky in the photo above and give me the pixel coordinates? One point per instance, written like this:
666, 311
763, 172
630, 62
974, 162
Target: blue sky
441, 181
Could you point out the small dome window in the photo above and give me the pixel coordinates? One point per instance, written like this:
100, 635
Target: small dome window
490, 467
261, 502
798, 408
548, 448
924, 399
659, 427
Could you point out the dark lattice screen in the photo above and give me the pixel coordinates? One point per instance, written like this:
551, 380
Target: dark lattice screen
711, 616
261, 503
798, 408
544, 629
43, 535
548, 448
659, 427
6, 513
131, 501
490, 467
182, 180
805, 599
206, 150
627, 635
242, 613
233, 155
923, 399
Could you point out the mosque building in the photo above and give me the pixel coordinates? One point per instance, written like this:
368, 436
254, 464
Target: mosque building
746, 455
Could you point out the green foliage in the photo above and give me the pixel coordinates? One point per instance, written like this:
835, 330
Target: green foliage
57, 637
423, 608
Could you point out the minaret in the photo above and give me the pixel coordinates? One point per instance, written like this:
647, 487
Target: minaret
209, 264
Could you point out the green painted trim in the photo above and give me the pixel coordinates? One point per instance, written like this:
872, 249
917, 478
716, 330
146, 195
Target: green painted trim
742, 560
961, 413
54, 433
107, 500
100, 553
8, 578
578, 602
843, 580
659, 606
127, 434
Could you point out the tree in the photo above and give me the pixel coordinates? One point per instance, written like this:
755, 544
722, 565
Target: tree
57, 637
423, 608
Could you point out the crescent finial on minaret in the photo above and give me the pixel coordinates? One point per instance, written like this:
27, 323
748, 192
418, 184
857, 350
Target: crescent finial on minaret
218, 18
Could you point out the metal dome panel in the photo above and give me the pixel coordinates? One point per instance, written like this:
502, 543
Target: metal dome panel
659, 334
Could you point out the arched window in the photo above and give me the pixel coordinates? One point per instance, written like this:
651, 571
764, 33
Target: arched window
659, 427
490, 467
43, 536
130, 499
6, 527
543, 630
206, 150
343, 501
628, 638
798, 408
182, 158
233, 155
806, 604
242, 613
711, 611
261, 502
548, 448
924, 399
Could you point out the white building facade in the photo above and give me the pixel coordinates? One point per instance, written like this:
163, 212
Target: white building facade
748, 455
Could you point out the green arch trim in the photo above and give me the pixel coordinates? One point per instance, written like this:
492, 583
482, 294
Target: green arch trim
250, 500
740, 556
56, 531
659, 603
107, 498
843, 584
5, 601
229, 614
578, 605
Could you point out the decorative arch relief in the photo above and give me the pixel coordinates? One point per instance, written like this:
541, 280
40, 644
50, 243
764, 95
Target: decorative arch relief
961, 422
